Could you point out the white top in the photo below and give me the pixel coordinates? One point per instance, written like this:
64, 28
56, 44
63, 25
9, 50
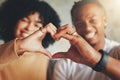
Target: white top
65, 69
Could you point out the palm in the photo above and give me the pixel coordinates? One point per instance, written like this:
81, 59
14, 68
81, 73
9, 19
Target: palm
34, 42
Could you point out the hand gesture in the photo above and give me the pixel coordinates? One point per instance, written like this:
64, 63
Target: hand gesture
80, 51
34, 41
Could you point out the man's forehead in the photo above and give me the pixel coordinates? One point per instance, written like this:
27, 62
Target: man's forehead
89, 8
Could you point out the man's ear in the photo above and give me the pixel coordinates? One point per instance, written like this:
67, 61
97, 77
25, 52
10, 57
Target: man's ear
105, 21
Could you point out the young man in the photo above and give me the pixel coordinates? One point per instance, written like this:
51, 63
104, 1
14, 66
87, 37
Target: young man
90, 20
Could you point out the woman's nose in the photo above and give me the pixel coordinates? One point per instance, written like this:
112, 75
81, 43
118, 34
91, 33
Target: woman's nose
30, 27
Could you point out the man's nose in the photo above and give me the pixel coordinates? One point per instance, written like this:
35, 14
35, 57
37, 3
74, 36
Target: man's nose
88, 26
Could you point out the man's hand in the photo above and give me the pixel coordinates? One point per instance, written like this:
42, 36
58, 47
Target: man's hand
80, 51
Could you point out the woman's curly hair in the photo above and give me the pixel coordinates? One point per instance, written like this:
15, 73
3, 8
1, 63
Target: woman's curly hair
13, 10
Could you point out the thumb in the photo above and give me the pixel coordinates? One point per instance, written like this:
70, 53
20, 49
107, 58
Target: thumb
49, 55
60, 55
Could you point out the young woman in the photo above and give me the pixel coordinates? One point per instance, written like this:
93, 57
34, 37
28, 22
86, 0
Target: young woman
20, 18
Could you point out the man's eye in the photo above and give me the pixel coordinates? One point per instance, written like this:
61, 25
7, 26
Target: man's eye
93, 21
79, 23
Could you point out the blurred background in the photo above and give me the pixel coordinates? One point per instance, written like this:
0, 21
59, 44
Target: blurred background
63, 8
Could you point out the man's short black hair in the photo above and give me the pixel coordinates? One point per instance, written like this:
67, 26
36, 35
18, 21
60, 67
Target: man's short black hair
78, 5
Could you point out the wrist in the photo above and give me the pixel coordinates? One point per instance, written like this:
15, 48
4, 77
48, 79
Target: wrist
93, 58
96, 58
101, 65
18, 48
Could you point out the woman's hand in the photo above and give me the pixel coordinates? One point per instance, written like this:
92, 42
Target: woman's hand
34, 41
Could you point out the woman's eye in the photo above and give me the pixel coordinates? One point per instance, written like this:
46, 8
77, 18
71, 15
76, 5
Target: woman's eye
38, 25
25, 20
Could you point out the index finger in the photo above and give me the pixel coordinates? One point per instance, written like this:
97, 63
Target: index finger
60, 55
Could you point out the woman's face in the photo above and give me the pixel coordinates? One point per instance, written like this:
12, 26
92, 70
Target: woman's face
28, 25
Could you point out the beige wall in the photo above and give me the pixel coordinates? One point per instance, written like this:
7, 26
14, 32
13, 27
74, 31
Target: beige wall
112, 8
63, 9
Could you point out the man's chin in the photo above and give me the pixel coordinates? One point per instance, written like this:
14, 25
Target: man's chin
92, 43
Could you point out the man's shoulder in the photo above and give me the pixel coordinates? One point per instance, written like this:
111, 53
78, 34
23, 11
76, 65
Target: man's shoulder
110, 44
115, 52
114, 48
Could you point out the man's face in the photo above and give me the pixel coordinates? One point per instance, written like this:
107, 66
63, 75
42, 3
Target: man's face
90, 22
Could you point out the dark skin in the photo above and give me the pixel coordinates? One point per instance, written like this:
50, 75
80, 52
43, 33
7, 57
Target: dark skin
82, 52
90, 25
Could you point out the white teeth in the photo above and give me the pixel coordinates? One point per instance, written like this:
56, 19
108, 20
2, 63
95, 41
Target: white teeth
25, 34
90, 35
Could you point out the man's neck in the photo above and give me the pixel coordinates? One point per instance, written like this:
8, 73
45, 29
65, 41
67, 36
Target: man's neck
99, 46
